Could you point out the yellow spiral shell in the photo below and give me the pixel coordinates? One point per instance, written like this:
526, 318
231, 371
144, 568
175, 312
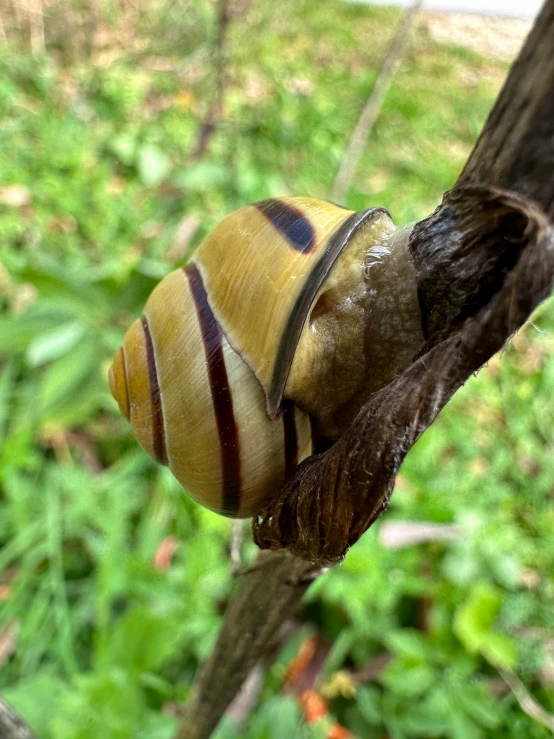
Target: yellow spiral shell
254, 346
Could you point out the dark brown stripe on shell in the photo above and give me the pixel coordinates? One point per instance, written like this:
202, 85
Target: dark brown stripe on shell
127, 412
291, 441
158, 432
297, 317
221, 393
291, 223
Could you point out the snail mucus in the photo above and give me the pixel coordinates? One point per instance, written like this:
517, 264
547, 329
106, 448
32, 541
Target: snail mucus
263, 347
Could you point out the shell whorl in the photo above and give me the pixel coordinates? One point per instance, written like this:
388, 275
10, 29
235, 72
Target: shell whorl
276, 255
220, 391
195, 405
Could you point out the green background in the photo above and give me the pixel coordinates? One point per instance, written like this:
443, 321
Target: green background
98, 129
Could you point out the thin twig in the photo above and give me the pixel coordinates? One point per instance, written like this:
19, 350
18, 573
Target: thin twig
237, 538
245, 701
528, 704
36, 26
216, 111
372, 109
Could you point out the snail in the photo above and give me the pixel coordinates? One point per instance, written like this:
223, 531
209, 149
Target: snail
261, 350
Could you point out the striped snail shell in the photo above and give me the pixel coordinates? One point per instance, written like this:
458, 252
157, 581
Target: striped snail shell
290, 313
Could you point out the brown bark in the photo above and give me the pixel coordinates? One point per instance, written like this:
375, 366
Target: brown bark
516, 147
250, 625
473, 250
11, 726
485, 260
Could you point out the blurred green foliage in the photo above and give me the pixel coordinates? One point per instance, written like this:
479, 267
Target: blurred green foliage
98, 184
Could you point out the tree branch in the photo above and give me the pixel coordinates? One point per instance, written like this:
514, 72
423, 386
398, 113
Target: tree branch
11, 725
484, 261
269, 592
472, 258
516, 147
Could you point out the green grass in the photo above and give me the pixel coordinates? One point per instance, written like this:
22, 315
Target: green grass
105, 643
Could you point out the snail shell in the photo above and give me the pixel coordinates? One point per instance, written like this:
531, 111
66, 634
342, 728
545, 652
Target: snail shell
289, 314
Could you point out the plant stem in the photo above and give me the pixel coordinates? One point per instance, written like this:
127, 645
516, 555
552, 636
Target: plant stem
372, 108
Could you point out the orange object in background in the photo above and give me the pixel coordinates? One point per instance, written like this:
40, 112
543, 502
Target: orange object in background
315, 709
314, 705
165, 552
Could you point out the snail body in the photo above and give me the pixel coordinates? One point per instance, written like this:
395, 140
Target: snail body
289, 314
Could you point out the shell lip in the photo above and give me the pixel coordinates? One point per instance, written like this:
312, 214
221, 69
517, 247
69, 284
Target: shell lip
117, 378
298, 315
